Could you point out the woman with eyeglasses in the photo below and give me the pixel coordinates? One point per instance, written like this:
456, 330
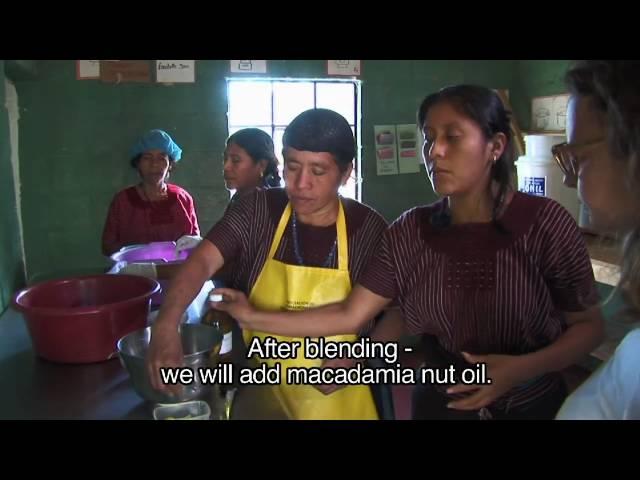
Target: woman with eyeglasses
485, 275
602, 157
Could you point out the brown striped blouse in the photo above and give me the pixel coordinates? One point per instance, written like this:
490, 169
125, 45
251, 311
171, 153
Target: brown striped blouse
478, 289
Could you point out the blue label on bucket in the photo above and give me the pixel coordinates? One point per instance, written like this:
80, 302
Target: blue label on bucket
535, 186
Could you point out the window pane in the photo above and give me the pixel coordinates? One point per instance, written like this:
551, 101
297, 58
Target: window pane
339, 97
349, 190
249, 103
291, 99
277, 143
264, 128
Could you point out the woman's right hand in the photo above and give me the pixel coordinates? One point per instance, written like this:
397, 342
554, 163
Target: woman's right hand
165, 351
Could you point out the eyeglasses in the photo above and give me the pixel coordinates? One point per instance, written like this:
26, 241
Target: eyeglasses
566, 156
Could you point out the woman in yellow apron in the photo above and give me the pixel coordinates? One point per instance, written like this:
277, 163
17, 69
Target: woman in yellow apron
293, 248
293, 287
482, 275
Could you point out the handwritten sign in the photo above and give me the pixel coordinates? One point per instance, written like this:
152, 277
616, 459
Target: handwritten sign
549, 114
248, 66
123, 71
87, 69
350, 68
175, 71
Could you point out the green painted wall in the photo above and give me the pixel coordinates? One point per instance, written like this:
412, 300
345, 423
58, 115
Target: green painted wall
11, 266
74, 142
392, 92
75, 135
21, 69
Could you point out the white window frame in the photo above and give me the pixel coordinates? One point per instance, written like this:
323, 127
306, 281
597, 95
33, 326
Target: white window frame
356, 176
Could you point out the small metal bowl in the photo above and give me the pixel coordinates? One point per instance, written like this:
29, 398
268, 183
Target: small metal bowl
196, 410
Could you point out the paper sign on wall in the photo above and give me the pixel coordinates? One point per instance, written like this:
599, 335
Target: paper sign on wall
87, 69
119, 71
549, 114
408, 146
248, 66
385, 141
175, 71
343, 67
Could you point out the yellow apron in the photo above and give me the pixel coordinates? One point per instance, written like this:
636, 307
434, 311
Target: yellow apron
291, 287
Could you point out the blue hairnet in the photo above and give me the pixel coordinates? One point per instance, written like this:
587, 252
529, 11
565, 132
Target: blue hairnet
157, 140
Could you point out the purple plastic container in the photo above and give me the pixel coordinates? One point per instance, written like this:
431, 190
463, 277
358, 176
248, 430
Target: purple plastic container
150, 252
156, 252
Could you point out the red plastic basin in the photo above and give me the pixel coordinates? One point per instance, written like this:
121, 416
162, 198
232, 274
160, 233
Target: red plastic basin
80, 319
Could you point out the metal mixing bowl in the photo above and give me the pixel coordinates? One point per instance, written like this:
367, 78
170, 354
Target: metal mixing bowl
201, 345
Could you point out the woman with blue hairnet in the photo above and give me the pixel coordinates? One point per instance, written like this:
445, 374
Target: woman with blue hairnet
153, 210
249, 164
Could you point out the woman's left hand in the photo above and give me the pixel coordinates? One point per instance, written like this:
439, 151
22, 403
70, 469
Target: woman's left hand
504, 372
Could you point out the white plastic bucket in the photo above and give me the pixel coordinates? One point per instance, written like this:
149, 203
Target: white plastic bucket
540, 145
539, 174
